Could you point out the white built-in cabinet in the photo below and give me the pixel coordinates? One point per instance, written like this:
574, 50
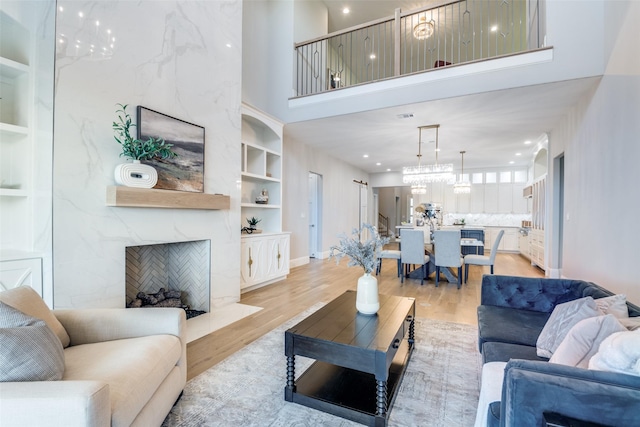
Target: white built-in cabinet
538, 218
22, 270
265, 252
26, 129
264, 259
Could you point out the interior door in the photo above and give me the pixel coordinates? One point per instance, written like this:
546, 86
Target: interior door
315, 182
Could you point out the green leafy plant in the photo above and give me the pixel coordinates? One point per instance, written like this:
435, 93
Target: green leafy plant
253, 221
138, 149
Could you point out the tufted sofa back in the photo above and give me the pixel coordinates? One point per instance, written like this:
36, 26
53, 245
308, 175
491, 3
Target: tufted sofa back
539, 294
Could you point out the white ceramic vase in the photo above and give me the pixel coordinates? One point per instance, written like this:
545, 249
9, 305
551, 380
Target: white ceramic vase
136, 174
367, 301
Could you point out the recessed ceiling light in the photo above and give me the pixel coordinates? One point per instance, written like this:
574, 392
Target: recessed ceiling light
494, 28
372, 56
378, 164
346, 10
527, 142
511, 162
365, 156
388, 170
228, 45
518, 154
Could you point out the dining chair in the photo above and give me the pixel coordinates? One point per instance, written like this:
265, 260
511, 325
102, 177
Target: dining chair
448, 252
388, 254
412, 252
482, 259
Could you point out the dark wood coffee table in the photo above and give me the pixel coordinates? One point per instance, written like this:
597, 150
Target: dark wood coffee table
360, 359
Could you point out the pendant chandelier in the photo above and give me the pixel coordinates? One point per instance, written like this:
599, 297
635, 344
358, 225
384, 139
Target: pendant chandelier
423, 29
462, 186
422, 175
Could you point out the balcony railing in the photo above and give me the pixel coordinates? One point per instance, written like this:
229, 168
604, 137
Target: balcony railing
452, 33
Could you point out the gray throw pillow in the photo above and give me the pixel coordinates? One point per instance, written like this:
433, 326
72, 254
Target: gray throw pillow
29, 350
562, 319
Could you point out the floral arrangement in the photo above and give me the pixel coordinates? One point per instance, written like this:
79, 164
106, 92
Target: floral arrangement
363, 254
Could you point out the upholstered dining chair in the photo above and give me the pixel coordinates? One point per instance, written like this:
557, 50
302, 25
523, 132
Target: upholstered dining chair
482, 259
448, 252
412, 252
388, 254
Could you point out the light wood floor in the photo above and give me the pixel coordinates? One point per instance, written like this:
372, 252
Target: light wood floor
323, 280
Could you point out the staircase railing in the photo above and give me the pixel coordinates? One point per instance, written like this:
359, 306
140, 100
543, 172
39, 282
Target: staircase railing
451, 33
383, 225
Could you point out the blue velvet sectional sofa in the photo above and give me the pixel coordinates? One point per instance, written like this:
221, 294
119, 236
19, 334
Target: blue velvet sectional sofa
512, 314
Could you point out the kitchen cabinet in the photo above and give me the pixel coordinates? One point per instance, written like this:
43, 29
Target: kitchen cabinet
476, 198
537, 247
491, 198
523, 246
505, 198
509, 242
264, 259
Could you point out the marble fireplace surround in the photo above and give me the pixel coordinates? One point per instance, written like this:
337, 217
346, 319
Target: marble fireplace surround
161, 68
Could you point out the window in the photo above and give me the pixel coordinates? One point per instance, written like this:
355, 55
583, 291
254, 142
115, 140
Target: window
520, 176
491, 177
505, 177
476, 178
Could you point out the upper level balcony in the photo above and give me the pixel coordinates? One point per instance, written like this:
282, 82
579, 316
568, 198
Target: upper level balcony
419, 41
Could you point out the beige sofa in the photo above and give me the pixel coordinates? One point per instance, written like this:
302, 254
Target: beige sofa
121, 367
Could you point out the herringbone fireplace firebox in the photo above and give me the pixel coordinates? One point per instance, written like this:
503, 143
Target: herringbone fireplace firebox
180, 266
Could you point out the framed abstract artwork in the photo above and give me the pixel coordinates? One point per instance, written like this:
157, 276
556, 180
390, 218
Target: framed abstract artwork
186, 171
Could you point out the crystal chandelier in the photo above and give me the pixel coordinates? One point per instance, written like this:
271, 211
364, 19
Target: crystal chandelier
422, 175
423, 29
462, 186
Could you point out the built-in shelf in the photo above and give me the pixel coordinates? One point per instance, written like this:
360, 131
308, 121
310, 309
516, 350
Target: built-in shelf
258, 205
9, 129
10, 192
132, 197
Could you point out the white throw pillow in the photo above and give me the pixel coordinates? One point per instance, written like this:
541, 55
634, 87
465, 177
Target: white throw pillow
29, 350
583, 340
620, 352
616, 305
562, 319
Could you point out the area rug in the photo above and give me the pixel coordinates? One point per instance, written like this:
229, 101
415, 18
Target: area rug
440, 386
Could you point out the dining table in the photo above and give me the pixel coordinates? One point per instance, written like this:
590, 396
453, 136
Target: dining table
430, 249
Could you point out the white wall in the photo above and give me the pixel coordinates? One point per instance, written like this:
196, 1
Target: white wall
339, 195
170, 56
600, 143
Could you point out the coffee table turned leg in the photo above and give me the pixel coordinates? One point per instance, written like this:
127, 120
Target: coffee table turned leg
412, 338
291, 375
381, 398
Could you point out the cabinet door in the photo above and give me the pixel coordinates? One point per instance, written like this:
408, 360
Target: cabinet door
510, 240
280, 256
476, 198
491, 198
519, 202
24, 272
252, 261
505, 198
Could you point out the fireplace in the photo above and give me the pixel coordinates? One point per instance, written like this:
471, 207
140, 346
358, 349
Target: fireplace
179, 266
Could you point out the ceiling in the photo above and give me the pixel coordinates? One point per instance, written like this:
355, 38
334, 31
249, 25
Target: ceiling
491, 127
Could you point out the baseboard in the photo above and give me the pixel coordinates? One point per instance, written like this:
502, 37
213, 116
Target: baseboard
554, 273
293, 263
